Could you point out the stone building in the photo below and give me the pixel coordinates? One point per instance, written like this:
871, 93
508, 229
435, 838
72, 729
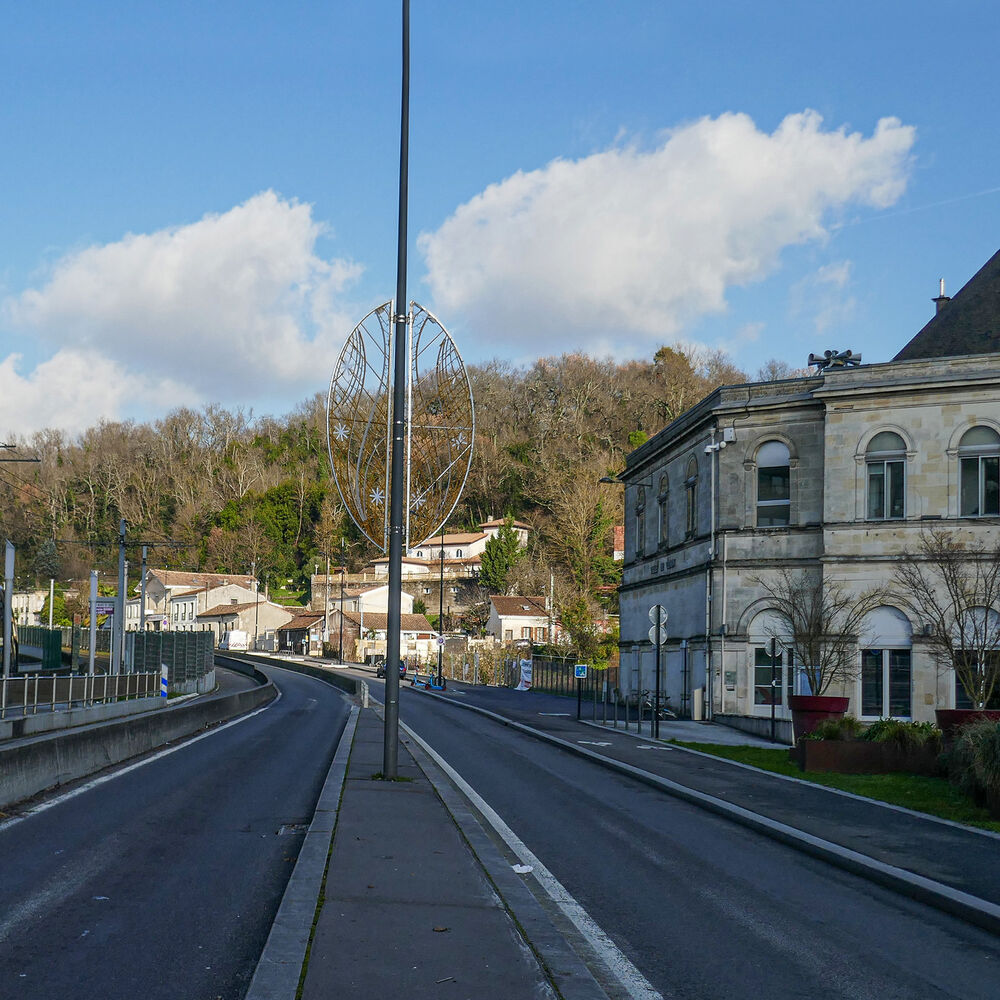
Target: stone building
833, 475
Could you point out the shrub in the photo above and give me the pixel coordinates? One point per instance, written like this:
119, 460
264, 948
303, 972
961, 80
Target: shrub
845, 728
905, 735
973, 762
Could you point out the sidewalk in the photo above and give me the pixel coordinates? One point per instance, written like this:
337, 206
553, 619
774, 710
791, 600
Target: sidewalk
396, 922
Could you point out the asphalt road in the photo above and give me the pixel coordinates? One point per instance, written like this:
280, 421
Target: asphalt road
705, 908
163, 881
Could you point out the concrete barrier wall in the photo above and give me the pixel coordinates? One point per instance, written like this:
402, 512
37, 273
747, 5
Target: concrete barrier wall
328, 674
42, 762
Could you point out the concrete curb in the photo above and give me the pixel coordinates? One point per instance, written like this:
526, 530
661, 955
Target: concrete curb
46, 761
970, 908
280, 965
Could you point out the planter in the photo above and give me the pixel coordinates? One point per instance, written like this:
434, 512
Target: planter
951, 719
863, 757
809, 710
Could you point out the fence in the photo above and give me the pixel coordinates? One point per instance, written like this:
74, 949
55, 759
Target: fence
188, 656
26, 695
36, 643
555, 675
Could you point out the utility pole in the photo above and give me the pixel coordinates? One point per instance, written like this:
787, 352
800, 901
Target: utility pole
142, 592
118, 632
8, 593
343, 569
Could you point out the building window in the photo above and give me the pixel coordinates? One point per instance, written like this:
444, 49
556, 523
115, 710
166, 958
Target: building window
458, 553
540, 634
508, 633
525, 632
979, 473
774, 498
885, 461
764, 692
640, 523
691, 495
663, 520
885, 683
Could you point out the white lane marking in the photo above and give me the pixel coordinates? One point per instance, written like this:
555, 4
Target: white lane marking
647, 747
632, 980
66, 796
595, 743
561, 715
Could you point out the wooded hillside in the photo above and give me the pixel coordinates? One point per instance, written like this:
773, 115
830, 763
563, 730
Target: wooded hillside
239, 493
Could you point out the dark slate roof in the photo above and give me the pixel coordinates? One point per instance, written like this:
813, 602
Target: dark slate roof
968, 324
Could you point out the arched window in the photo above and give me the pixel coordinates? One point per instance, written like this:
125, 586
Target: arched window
458, 553
979, 473
640, 522
691, 492
885, 461
774, 499
885, 665
663, 523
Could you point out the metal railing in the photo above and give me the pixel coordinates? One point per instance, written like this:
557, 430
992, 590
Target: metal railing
31, 693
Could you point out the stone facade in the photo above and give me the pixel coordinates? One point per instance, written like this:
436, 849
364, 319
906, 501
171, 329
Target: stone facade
702, 521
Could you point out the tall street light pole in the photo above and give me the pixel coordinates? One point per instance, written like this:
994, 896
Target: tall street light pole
399, 430
441, 613
343, 568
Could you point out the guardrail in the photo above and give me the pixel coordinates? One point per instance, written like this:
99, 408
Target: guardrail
25, 695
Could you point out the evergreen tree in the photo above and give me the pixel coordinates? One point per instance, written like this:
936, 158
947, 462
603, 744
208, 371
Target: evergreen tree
499, 557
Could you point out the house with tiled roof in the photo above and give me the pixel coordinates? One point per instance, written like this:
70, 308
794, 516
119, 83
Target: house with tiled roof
258, 618
461, 552
193, 593
302, 633
365, 636
514, 619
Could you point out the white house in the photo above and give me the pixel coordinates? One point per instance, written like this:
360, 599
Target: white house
193, 592
519, 618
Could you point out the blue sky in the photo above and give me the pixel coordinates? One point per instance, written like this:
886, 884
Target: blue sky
198, 201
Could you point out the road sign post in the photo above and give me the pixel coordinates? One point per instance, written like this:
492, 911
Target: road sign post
580, 673
774, 648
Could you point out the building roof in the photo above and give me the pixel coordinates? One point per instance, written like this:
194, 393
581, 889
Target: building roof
300, 621
378, 621
178, 578
221, 610
497, 522
968, 324
519, 607
185, 593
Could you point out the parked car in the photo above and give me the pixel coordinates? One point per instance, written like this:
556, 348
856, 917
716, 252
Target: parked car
380, 669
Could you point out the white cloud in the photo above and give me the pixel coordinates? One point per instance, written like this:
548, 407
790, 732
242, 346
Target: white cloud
233, 305
822, 299
74, 390
628, 246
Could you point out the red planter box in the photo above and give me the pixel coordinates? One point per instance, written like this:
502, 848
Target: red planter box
862, 757
809, 710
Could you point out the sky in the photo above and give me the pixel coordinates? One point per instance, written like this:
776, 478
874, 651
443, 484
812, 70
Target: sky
198, 202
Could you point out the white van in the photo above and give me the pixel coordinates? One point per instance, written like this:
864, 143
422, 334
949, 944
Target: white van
235, 639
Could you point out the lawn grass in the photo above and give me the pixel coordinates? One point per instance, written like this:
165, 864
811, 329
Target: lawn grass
913, 791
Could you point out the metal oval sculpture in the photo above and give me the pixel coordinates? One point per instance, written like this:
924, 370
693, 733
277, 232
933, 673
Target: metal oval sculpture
440, 422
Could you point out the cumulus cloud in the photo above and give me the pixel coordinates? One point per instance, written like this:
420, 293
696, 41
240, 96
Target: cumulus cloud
74, 390
822, 299
628, 246
236, 303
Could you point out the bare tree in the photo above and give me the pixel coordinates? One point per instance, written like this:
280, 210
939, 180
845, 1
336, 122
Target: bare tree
821, 621
954, 587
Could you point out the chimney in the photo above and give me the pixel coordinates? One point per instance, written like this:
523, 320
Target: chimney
942, 300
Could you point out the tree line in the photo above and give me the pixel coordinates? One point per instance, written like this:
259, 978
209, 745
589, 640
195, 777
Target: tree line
222, 490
